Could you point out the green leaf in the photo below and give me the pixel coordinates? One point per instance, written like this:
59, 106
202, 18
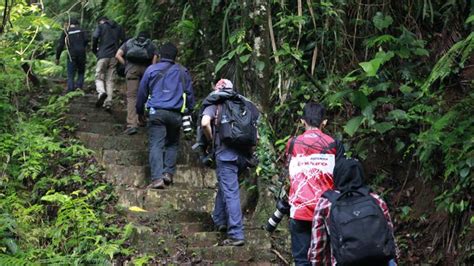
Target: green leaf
220, 64
351, 127
244, 58
464, 172
381, 22
405, 89
398, 114
399, 146
383, 127
359, 99
421, 52
215, 3
379, 40
470, 19
260, 65
371, 67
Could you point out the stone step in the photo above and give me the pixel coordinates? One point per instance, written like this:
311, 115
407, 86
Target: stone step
259, 238
101, 142
171, 198
100, 116
138, 176
83, 108
248, 253
166, 245
103, 128
91, 99
139, 142
125, 157
87, 98
151, 219
90, 113
204, 238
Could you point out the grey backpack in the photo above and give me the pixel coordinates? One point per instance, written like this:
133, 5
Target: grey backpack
138, 52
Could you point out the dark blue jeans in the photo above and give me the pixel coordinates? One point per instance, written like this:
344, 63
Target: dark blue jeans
78, 64
300, 241
227, 210
163, 132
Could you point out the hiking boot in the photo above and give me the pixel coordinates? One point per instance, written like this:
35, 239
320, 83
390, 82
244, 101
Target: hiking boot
157, 184
232, 242
131, 131
221, 228
108, 108
168, 178
101, 100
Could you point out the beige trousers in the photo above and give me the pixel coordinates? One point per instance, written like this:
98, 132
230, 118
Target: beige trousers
133, 76
105, 75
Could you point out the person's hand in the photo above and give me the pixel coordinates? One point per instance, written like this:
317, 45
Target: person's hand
57, 61
142, 119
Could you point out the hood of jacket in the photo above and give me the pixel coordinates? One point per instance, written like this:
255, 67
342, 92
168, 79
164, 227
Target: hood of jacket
348, 175
111, 23
219, 96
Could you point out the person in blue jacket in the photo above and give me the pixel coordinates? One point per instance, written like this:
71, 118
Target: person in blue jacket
166, 91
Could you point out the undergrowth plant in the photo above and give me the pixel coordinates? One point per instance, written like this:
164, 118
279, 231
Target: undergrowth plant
53, 198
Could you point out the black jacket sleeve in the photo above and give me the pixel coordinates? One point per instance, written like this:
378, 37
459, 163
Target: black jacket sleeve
95, 39
61, 43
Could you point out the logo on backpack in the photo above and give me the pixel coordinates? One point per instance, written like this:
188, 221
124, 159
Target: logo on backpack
238, 123
358, 231
138, 51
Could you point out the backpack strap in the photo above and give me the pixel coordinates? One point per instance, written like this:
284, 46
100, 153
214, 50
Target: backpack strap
331, 195
362, 191
365, 190
183, 82
289, 153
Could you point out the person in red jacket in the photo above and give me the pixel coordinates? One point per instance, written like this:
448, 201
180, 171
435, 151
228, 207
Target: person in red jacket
313, 157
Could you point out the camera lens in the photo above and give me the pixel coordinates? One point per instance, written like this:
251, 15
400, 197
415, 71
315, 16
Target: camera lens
187, 128
273, 222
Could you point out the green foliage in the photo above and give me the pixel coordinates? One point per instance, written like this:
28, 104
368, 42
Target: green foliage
51, 202
241, 51
381, 22
450, 62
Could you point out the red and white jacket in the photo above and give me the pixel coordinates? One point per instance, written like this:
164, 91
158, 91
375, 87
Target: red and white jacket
310, 169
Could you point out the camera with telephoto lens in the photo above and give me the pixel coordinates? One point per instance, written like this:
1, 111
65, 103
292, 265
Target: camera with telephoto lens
282, 209
187, 127
206, 155
205, 158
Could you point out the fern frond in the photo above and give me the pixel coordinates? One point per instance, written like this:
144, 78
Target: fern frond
445, 64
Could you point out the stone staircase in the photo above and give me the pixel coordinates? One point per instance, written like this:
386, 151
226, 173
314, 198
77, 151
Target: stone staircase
176, 227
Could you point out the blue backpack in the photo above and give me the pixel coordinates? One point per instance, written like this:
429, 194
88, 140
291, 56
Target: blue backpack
358, 231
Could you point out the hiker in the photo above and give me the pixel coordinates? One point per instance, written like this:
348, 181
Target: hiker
136, 54
230, 159
107, 38
75, 39
368, 237
168, 87
313, 156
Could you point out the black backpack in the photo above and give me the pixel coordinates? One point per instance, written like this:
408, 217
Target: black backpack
358, 231
237, 123
137, 52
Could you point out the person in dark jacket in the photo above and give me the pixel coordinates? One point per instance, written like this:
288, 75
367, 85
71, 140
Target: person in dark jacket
75, 40
230, 162
348, 176
106, 39
168, 88
136, 54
